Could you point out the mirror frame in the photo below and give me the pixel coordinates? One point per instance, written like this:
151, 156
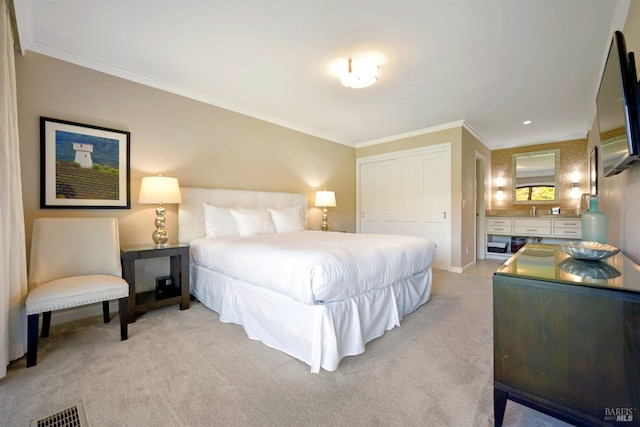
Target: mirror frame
556, 174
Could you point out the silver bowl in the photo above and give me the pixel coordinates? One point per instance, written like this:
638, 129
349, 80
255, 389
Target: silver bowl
588, 250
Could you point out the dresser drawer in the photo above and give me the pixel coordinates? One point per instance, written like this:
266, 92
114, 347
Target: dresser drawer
499, 225
499, 229
500, 222
532, 222
567, 223
571, 228
532, 227
573, 233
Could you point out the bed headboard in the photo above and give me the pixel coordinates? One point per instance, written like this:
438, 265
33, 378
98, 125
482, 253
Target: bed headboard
191, 211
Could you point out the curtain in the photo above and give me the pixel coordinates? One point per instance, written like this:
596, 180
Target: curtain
13, 258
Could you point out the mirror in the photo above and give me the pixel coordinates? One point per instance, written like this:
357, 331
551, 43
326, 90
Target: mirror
537, 177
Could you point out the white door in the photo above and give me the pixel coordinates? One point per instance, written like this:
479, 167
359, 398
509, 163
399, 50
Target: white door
378, 197
409, 194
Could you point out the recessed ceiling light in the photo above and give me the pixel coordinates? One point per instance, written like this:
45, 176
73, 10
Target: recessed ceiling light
526, 122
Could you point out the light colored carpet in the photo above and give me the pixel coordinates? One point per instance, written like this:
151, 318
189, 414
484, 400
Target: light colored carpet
185, 368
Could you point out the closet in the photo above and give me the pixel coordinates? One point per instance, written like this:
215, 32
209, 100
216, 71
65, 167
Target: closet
408, 192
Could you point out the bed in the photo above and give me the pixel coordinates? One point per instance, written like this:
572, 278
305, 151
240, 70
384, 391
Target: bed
317, 296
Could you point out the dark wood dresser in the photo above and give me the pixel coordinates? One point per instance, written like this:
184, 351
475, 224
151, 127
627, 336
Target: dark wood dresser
567, 337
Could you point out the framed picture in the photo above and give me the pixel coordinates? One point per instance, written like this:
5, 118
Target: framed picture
83, 166
593, 171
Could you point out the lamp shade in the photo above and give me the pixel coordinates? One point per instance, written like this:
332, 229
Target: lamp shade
325, 198
159, 189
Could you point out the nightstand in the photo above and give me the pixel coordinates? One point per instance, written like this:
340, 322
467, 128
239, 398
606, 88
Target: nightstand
179, 270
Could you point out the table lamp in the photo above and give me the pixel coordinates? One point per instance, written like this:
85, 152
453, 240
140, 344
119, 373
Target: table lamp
159, 189
325, 199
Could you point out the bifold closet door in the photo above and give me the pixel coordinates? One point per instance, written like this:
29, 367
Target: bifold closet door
409, 195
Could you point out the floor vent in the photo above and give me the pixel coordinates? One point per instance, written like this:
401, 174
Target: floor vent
73, 416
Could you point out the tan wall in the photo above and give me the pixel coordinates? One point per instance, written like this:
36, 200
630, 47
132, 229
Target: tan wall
199, 144
425, 140
470, 146
619, 194
574, 155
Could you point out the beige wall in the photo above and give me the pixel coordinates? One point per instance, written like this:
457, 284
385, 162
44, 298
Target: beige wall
573, 156
207, 146
472, 149
463, 148
620, 194
199, 144
434, 138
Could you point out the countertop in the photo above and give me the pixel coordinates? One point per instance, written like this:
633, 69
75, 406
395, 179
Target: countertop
541, 213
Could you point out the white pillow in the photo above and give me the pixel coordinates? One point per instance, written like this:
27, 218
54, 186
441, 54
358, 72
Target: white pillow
252, 221
287, 220
218, 222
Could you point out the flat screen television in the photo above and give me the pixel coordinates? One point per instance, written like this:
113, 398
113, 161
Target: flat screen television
617, 106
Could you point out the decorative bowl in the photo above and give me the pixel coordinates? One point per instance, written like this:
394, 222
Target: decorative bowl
588, 250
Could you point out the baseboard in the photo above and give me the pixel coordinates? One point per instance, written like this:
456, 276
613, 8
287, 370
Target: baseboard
464, 268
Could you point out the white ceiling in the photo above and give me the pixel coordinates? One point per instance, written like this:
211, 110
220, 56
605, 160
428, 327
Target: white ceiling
489, 63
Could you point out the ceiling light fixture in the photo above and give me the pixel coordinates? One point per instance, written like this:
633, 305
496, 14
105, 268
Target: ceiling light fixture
526, 122
361, 73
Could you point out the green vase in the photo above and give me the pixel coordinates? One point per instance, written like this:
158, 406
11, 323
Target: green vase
594, 223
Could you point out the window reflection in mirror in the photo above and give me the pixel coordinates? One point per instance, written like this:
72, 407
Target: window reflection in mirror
536, 177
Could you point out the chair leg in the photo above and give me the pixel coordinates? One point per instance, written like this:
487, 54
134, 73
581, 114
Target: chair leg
32, 339
46, 324
124, 318
105, 311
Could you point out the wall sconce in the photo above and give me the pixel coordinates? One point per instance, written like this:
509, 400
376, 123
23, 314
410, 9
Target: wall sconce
575, 185
159, 189
325, 199
500, 185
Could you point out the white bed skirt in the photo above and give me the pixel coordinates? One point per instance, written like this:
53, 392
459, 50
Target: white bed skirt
319, 335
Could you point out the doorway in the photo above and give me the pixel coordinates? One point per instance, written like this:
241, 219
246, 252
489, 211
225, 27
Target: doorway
480, 197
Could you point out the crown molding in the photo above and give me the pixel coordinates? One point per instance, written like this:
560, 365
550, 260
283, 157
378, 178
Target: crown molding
432, 129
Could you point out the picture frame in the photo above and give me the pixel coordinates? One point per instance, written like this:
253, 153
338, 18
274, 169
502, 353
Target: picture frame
83, 166
593, 172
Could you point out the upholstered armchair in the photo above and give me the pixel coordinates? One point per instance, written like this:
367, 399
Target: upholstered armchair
74, 262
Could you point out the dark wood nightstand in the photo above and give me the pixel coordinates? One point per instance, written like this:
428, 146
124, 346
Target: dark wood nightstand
145, 301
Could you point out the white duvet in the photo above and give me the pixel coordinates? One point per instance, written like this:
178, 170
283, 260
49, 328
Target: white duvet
315, 267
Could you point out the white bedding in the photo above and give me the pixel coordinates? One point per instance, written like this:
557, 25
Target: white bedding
318, 312
315, 267
319, 335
